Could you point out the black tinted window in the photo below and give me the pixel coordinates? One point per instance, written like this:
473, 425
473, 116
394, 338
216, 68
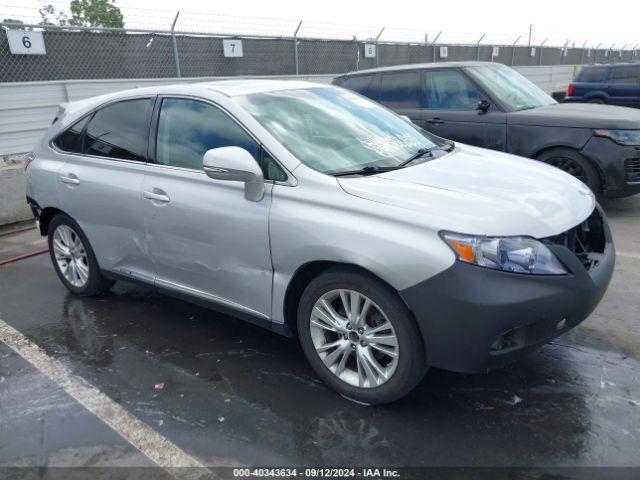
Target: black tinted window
363, 84
71, 139
400, 90
188, 128
592, 74
120, 130
450, 89
625, 74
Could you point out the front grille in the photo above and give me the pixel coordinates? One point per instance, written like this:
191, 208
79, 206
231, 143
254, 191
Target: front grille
632, 170
587, 240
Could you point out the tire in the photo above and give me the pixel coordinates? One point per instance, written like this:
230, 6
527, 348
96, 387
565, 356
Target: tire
573, 163
400, 374
597, 101
68, 245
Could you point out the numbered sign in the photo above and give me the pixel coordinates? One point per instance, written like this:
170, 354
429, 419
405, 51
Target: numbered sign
25, 42
232, 48
496, 52
532, 53
369, 50
444, 52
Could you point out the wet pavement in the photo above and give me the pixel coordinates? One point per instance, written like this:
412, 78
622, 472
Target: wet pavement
235, 394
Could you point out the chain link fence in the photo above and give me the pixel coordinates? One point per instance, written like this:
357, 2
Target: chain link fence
101, 53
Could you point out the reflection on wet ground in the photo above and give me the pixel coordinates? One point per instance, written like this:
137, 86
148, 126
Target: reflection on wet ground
236, 394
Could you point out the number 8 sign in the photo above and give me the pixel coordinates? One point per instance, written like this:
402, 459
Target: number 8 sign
25, 42
370, 50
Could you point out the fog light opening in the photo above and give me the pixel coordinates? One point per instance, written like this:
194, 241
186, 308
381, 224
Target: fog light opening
509, 340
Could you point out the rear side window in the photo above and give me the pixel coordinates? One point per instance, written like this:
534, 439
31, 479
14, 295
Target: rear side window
188, 128
362, 84
451, 90
400, 90
629, 74
120, 130
70, 140
592, 74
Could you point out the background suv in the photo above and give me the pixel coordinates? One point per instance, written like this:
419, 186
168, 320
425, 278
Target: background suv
492, 106
613, 84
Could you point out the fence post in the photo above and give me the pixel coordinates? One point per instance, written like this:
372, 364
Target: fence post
434, 46
513, 50
541, 49
564, 49
175, 45
377, 50
295, 47
478, 44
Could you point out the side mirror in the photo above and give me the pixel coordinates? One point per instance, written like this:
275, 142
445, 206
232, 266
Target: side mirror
483, 106
235, 164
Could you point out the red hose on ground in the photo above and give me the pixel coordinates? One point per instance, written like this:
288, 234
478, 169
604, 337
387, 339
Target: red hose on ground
23, 256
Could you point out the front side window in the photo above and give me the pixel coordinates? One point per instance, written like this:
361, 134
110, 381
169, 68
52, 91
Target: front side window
511, 88
188, 128
625, 74
333, 130
450, 90
400, 90
70, 141
120, 130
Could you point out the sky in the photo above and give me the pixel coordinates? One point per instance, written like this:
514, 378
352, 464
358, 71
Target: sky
459, 20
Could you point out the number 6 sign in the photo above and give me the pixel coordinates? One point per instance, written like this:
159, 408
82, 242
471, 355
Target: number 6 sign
25, 42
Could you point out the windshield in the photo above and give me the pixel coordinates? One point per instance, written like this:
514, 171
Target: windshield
511, 88
333, 130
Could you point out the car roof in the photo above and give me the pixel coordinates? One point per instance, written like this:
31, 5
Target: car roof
621, 64
421, 66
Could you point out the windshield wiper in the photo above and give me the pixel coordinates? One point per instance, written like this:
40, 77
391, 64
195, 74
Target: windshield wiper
447, 147
372, 169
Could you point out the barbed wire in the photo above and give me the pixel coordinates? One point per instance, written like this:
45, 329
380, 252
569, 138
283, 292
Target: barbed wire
136, 17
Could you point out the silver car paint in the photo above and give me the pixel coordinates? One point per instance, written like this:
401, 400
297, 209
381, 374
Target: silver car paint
387, 225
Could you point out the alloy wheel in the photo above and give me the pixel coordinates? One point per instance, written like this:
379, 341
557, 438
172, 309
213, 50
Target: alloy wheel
570, 166
354, 338
71, 256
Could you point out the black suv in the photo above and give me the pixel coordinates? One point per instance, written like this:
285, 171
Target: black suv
493, 106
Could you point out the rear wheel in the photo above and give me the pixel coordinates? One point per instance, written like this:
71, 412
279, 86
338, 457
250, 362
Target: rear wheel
359, 337
573, 163
73, 258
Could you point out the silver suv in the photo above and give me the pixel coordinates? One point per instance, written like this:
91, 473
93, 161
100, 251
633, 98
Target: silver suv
315, 212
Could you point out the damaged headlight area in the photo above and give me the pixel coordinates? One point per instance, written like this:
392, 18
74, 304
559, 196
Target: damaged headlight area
509, 254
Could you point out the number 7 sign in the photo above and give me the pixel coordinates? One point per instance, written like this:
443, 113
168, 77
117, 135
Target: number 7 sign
25, 42
232, 48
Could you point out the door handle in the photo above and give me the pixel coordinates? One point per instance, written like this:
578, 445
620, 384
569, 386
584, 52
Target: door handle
435, 121
156, 197
70, 179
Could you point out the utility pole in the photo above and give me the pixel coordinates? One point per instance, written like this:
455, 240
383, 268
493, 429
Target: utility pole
530, 34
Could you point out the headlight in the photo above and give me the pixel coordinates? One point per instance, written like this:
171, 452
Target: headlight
623, 137
510, 254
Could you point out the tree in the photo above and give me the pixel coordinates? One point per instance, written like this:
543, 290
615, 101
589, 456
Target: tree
11, 20
95, 13
51, 17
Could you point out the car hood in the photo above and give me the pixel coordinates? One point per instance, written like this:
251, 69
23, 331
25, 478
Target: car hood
481, 192
578, 115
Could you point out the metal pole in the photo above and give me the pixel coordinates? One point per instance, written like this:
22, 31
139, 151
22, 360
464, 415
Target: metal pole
622, 51
478, 44
611, 56
595, 53
176, 58
377, 50
513, 50
295, 47
542, 45
530, 32
584, 45
434, 46
564, 49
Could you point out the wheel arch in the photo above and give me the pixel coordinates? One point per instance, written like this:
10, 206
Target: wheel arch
307, 272
559, 146
46, 216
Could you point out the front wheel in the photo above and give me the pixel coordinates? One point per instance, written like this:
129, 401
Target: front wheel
575, 164
359, 337
73, 258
